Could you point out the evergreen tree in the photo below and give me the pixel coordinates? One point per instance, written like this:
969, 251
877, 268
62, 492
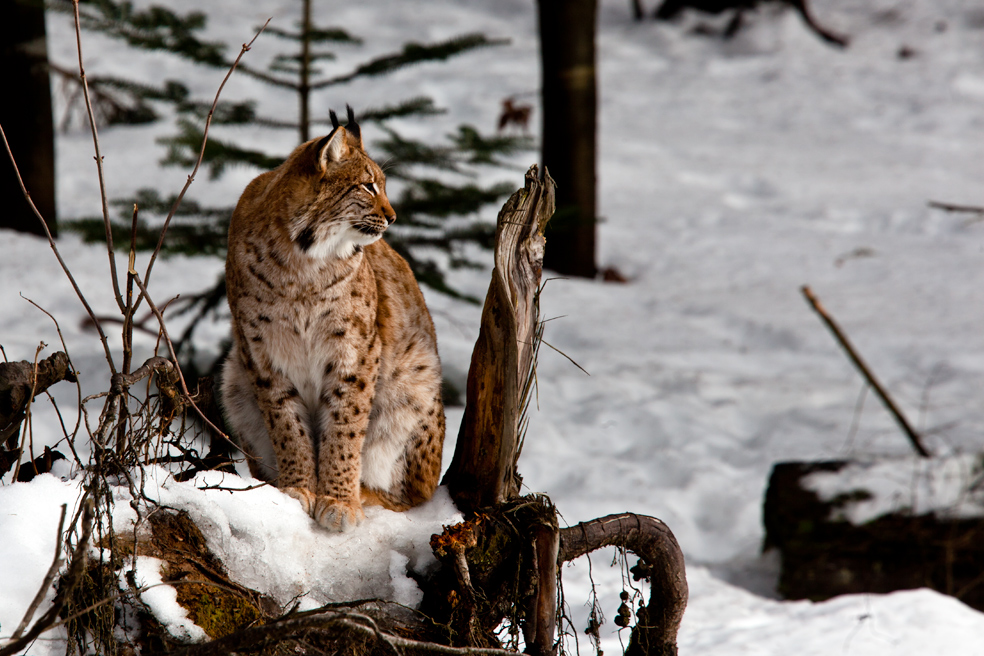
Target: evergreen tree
438, 180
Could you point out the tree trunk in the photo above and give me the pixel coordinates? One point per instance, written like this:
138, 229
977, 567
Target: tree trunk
26, 117
567, 53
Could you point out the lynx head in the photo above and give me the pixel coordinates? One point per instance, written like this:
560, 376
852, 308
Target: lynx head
336, 195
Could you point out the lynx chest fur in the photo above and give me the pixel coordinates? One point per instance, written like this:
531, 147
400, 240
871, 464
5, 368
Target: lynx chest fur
333, 384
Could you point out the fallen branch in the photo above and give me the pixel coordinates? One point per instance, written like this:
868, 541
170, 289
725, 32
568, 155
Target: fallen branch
656, 630
334, 622
950, 207
19, 385
907, 428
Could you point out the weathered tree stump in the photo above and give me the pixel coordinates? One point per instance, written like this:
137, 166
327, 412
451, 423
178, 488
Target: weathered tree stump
825, 554
515, 546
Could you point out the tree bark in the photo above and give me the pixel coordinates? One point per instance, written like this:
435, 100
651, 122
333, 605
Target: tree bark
567, 54
26, 117
483, 473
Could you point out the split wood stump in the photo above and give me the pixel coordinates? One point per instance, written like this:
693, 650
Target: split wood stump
824, 554
510, 548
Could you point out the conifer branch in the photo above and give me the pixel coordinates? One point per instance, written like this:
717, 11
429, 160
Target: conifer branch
413, 53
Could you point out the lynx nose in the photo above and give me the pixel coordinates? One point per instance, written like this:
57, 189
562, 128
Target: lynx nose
390, 218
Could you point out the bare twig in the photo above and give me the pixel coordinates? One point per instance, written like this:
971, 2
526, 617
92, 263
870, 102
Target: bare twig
201, 156
129, 309
54, 248
99, 160
237, 489
56, 565
852, 353
27, 412
174, 356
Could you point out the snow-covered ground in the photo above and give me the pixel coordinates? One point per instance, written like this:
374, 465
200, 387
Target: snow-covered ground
730, 175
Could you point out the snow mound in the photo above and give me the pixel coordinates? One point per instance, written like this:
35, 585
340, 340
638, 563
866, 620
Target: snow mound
269, 544
730, 620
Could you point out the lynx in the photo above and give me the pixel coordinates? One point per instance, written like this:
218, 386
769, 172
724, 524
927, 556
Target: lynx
333, 383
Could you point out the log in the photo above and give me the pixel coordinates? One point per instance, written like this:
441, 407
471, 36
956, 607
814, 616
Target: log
823, 554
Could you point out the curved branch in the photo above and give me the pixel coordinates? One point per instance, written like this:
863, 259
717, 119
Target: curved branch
651, 540
54, 249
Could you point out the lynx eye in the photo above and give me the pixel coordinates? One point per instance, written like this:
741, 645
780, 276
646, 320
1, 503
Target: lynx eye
370, 187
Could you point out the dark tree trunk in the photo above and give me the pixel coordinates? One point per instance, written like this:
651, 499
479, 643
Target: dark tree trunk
26, 117
567, 53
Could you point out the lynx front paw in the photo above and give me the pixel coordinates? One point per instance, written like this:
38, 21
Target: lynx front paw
336, 515
302, 494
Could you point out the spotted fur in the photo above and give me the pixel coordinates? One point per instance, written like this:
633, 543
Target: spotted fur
333, 384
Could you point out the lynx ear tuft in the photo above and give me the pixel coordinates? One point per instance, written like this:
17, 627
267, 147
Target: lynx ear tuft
352, 126
332, 148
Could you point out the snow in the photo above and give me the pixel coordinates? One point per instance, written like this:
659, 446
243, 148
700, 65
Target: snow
268, 543
29, 516
949, 488
161, 599
730, 174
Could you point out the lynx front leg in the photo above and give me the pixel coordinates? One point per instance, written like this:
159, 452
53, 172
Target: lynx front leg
346, 405
286, 421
